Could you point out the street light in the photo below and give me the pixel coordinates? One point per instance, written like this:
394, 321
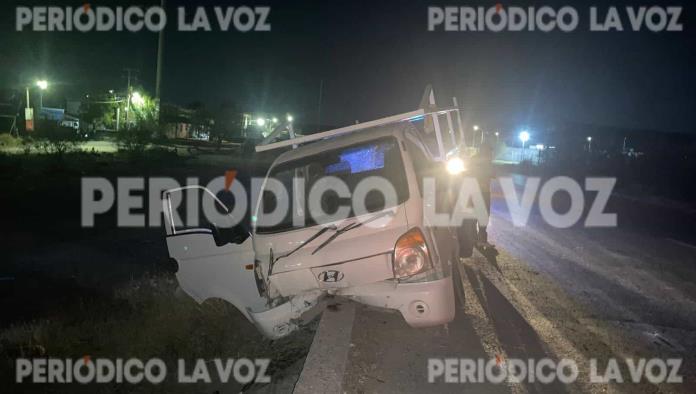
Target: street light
43, 85
260, 122
275, 120
476, 128
589, 144
524, 137
289, 118
137, 99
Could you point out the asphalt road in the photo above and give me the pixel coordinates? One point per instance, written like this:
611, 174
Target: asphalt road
578, 293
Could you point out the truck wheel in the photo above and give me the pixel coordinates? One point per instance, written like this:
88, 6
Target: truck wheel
467, 238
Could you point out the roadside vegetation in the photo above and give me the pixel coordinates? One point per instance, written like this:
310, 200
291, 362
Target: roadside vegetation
69, 292
145, 318
9, 141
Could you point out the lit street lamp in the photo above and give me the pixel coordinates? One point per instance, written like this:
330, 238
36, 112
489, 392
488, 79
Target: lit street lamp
476, 128
137, 99
260, 122
589, 144
43, 85
524, 137
289, 118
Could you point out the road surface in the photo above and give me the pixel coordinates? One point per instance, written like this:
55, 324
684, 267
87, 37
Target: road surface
577, 293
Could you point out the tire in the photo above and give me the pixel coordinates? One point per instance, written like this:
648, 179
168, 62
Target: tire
467, 235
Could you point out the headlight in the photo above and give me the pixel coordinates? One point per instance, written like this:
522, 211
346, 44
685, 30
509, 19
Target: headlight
455, 165
411, 254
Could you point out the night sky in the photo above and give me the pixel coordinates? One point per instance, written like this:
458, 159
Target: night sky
375, 58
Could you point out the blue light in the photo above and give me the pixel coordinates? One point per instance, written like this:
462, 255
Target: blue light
358, 160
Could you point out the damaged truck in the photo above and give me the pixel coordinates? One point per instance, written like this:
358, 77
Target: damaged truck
388, 255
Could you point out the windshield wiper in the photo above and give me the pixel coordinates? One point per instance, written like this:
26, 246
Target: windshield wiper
350, 227
300, 246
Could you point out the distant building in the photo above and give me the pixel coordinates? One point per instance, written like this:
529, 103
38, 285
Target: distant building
55, 114
179, 122
59, 116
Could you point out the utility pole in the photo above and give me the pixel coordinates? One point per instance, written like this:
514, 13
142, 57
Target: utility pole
459, 122
160, 49
321, 91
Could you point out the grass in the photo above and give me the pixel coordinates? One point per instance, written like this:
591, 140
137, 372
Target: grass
73, 296
144, 319
7, 140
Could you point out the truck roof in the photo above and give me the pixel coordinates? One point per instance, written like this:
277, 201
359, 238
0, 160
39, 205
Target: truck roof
341, 140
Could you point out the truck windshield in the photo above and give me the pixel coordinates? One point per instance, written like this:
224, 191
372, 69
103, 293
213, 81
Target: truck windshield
350, 164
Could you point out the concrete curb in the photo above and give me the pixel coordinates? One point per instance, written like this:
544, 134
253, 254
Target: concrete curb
326, 362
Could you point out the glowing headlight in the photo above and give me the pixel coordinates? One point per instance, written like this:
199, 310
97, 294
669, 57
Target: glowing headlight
455, 166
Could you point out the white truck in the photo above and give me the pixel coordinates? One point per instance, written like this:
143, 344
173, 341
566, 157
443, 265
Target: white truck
389, 256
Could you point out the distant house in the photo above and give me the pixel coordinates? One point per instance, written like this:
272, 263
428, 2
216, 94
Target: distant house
179, 122
59, 116
55, 114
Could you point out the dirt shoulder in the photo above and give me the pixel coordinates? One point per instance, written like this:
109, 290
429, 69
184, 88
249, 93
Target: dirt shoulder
571, 329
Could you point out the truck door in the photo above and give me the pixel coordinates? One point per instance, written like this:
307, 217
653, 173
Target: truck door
214, 260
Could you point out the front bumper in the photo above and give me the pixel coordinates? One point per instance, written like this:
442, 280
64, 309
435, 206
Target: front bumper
422, 304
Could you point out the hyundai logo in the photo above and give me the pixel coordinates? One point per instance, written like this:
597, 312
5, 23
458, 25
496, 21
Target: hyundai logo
331, 276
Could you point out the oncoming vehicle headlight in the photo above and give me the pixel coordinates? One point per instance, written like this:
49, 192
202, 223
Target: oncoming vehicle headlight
455, 165
411, 254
